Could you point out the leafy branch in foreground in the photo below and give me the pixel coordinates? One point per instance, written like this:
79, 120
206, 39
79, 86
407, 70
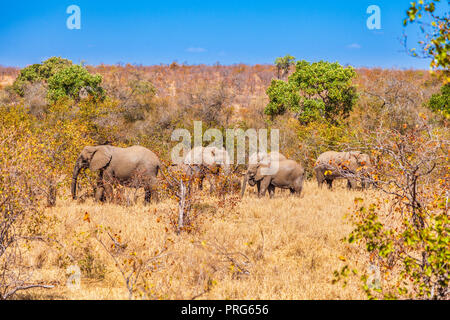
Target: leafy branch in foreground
435, 27
406, 236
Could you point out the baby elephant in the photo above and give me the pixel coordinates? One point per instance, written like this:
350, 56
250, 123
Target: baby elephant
135, 167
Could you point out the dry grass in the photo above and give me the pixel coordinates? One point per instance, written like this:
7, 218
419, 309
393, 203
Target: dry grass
289, 247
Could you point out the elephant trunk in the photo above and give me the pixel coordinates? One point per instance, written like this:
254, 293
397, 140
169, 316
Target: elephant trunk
244, 184
73, 187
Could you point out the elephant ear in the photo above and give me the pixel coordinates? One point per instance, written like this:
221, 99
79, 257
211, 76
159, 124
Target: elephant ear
258, 176
359, 157
347, 160
365, 160
102, 156
209, 156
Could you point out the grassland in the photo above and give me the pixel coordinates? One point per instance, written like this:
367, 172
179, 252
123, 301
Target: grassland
284, 248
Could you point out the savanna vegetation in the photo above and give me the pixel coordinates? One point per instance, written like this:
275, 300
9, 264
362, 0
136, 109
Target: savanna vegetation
389, 241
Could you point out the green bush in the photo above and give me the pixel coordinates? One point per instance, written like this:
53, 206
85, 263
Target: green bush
64, 80
69, 81
441, 102
315, 91
39, 73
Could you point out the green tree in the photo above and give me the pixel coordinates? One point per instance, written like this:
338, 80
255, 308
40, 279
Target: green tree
39, 73
441, 102
320, 90
68, 82
282, 97
283, 64
52, 66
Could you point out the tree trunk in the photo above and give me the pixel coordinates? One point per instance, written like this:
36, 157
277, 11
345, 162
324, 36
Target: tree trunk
244, 184
51, 196
181, 206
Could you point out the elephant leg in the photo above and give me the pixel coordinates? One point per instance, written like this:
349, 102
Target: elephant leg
298, 186
265, 183
365, 184
108, 192
296, 191
155, 190
319, 177
100, 194
329, 183
200, 183
319, 183
271, 189
212, 184
151, 191
155, 195
201, 176
148, 195
351, 184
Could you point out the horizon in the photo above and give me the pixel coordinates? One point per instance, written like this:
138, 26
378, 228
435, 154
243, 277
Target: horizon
124, 64
167, 65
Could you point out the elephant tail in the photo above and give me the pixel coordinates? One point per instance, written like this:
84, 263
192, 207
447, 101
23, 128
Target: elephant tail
158, 169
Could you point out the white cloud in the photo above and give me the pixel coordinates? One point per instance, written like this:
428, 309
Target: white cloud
195, 50
354, 46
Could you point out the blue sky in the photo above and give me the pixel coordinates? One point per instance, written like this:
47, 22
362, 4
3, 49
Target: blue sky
153, 32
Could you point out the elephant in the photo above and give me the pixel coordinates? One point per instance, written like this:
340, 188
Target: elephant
256, 159
333, 165
135, 167
288, 175
206, 162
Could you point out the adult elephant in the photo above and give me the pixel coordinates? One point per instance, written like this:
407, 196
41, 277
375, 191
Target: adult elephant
283, 173
135, 167
254, 161
206, 162
349, 165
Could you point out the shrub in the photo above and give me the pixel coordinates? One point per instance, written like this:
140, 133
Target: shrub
314, 91
407, 240
69, 82
22, 218
440, 103
138, 100
39, 73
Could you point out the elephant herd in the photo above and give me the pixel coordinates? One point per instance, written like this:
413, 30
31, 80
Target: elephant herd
138, 167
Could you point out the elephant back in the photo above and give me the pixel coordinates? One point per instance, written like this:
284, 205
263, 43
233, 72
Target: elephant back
329, 158
264, 158
208, 156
